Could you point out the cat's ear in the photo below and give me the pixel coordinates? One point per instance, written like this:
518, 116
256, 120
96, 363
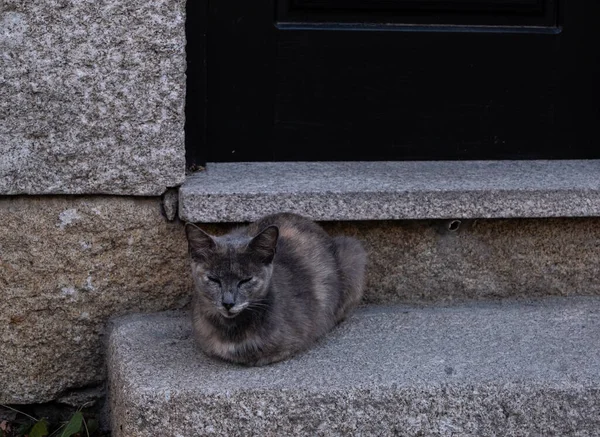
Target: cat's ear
199, 242
265, 244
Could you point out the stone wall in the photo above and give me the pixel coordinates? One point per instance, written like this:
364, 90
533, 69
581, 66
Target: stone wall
68, 264
93, 96
445, 261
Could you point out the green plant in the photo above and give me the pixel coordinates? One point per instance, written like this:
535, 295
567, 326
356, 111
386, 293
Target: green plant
29, 426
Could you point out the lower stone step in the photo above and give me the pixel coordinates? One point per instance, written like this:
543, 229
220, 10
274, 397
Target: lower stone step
490, 369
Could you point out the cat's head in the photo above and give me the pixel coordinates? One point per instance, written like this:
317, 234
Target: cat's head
232, 273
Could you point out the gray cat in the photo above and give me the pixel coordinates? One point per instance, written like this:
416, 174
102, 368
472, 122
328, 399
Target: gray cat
270, 289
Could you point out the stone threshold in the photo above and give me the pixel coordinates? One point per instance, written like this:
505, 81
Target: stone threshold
240, 192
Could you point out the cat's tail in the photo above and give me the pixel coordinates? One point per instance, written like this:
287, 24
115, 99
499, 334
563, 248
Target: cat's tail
352, 259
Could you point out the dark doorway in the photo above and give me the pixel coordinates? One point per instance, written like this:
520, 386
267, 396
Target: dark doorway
399, 80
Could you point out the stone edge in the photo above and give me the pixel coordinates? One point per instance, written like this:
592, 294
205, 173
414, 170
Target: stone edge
433, 202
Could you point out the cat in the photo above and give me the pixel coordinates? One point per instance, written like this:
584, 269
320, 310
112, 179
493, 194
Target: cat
269, 290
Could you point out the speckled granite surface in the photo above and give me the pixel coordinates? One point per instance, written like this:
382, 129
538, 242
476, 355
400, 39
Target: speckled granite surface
93, 96
68, 264
237, 192
514, 369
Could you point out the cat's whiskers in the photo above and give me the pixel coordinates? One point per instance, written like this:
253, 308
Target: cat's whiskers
260, 309
260, 305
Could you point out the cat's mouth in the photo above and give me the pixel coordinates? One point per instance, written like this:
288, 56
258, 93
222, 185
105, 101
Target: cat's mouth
232, 312
228, 314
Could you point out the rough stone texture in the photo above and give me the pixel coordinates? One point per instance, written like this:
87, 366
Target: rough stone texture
237, 192
66, 266
424, 261
93, 96
516, 369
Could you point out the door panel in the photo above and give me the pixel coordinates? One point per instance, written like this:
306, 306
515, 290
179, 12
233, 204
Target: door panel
308, 80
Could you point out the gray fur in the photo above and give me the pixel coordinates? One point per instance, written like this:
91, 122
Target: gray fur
286, 283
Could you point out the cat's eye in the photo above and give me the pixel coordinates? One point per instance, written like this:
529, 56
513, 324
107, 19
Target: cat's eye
244, 281
213, 279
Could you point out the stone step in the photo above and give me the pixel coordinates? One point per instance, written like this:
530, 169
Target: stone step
509, 369
245, 191
436, 231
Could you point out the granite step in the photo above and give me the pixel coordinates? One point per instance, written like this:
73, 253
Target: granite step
512, 368
326, 191
435, 231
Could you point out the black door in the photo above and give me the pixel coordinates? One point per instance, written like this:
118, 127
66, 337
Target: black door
402, 79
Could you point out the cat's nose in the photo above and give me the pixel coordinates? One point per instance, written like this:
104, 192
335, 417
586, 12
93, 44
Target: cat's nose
228, 300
